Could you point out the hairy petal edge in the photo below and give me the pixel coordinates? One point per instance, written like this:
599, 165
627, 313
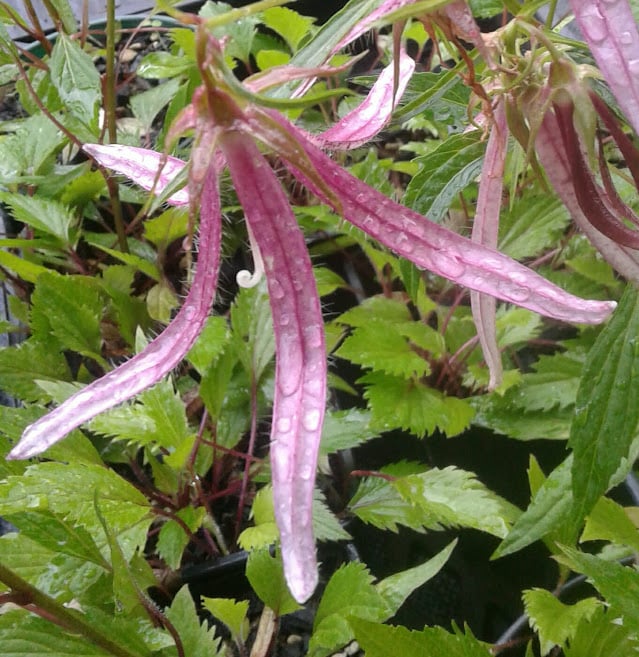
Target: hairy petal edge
300, 377
156, 360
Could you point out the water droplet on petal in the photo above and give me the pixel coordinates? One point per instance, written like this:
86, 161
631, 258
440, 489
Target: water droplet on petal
633, 66
593, 25
513, 292
311, 420
370, 224
313, 336
448, 263
284, 319
275, 288
625, 38
284, 425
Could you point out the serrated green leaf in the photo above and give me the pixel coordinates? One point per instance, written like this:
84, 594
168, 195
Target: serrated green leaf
453, 497
210, 344
609, 521
144, 265
34, 637
349, 593
23, 268
231, 613
58, 535
167, 227
148, 104
555, 622
172, 538
253, 329
516, 326
532, 225
290, 25
327, 281
375, 639
399, 403
602, 636
76, 79
266, 576
379, 347
345, 429
158, 416
71, 309
548, 509
396, 588
444, 174
326, 527
618, 584
378, 308
46, 215
606, 414
239, 33
197, 639
67, 489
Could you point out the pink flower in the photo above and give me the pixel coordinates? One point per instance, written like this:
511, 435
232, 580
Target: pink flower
227, 129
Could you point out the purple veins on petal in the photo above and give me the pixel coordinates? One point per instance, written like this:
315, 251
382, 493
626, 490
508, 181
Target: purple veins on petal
156, 360
300, 376
361, 124
141, 166
613, 37
440, 250
555, 163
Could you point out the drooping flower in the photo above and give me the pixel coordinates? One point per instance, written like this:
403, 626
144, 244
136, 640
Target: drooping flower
227, 129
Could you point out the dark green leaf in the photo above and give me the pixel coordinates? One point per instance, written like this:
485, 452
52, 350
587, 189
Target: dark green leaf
266, 576
444, 174
375, 640
618, 584
345, 429
606, 414
76, 79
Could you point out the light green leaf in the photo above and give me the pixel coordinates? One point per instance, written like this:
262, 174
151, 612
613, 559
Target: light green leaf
172, 538
44, 214
391, 310
532, 225
197, 639
349, 593
602, 636
76, 79
380, 347
232, 614
22, 366
266, 576
609, 521
399, 403
167, 227
606, 414
34, 637
327, 281
345, 429
58, 535
148, 104
618, 584
452, 497
209, 345
71, 309
555, 622
290, 25
396, 588
444, 174
23, 268
144, 265
375, 639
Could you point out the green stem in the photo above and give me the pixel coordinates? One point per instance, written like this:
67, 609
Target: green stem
109, 112
72, 621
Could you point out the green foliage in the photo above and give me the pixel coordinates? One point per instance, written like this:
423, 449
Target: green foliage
266, 576
555, 622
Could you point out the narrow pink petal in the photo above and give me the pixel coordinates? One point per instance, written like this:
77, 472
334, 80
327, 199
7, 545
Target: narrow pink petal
361, 124
440, 250
141, 166
485, 231
552, 157
465, 26
611, 32
159, 357
363, 26
300, 377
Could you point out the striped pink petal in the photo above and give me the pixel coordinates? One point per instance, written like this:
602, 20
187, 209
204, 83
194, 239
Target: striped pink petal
300, 377
612, 35
364, 122
161, 355
485, 231
438, 249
